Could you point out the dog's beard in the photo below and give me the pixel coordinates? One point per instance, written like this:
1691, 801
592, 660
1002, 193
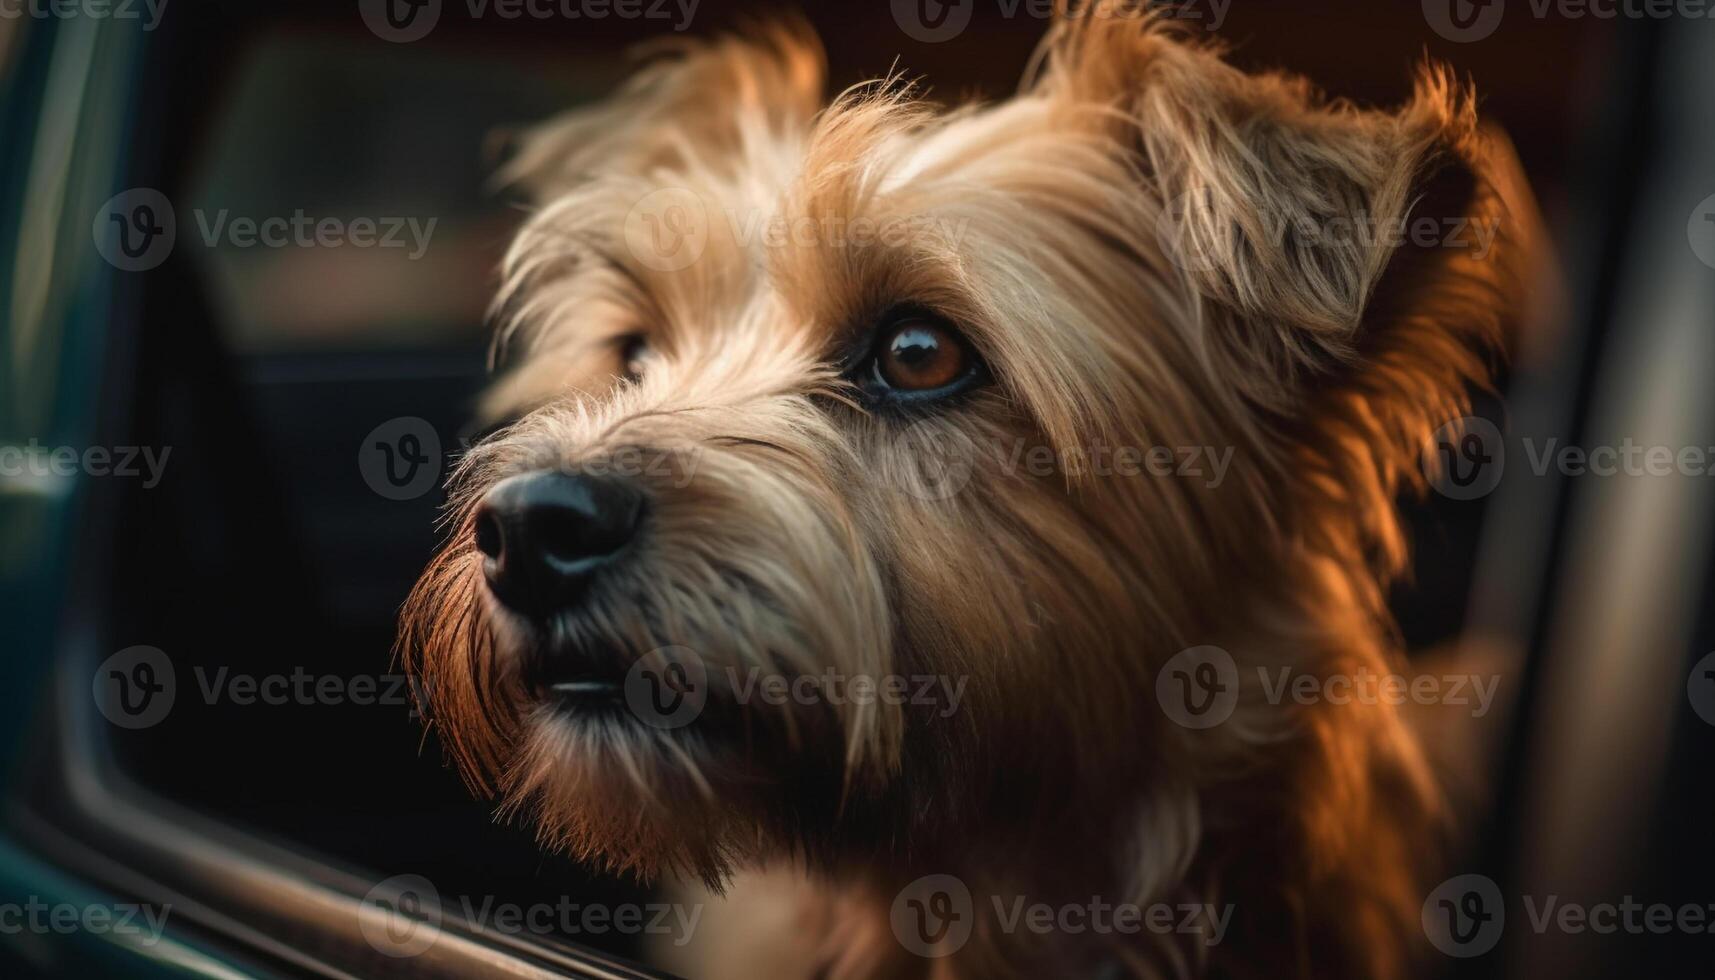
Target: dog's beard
755, 568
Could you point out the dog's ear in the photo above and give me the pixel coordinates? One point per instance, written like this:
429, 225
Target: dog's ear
693, 102
1352, 274
1284, 212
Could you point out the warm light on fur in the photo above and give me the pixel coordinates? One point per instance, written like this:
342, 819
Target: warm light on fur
788, 530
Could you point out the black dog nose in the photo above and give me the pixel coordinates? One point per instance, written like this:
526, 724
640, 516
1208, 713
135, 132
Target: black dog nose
544, 534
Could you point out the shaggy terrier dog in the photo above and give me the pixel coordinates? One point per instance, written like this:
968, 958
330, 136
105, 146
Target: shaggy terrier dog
807, 547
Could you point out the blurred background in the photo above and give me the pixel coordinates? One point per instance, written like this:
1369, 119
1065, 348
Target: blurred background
276, 538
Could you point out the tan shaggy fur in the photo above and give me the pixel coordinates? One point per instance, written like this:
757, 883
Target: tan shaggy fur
1127, 244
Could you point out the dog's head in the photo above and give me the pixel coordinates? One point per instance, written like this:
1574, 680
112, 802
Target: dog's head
861, 465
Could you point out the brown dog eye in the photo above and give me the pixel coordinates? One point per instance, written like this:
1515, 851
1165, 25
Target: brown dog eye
633, 356
915, 357
919, 355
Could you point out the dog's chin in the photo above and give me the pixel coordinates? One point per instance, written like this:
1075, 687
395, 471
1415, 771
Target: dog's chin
613, 770
617, 794
612, 784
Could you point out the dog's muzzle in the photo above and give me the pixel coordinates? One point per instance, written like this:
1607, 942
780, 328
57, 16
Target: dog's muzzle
545, 535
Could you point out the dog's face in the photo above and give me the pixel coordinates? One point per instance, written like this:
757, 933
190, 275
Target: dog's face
860, 467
